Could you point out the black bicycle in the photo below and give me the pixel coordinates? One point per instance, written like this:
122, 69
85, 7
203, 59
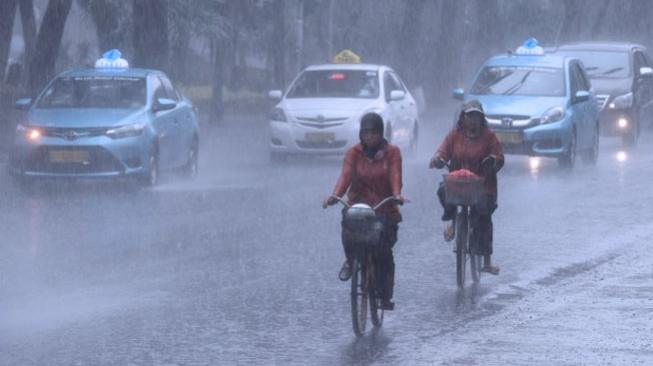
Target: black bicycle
362, 230
465, 192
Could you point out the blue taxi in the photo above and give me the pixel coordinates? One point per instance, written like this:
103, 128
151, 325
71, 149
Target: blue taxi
538, 104
110, 121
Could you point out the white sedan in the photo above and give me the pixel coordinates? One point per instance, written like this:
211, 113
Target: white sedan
321, 111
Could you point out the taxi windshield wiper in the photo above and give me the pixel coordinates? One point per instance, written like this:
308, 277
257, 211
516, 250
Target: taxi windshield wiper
516, 87
611, 71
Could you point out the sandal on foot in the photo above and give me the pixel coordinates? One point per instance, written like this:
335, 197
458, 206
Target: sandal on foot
493, 270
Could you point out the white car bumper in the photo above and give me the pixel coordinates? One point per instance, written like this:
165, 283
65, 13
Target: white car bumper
294, 138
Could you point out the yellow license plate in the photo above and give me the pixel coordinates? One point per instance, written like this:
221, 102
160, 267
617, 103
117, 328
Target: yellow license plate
320, 136
69, 156
513, 138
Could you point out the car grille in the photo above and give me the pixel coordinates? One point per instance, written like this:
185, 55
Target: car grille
321, 145
510, 121
100, 161
321, 122
75, 133
602, 100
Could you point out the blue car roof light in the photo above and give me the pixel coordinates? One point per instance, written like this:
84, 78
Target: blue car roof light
111, 60
530, 47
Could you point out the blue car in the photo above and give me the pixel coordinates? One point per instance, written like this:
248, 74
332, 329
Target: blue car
110, 121
539, 104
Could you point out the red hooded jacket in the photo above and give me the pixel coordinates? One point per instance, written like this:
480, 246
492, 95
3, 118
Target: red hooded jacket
466, 153
370, 181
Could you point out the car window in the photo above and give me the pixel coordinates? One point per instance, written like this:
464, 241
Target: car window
336, 84
390, 84
640, 61
119, 92
157, 88
583, 84
399, 82
520, 80
603, 64
170, 90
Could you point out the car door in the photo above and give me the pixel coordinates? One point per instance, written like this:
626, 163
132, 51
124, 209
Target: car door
163, 123
178, 132
581, 109
408, 107
643, 86
394, 107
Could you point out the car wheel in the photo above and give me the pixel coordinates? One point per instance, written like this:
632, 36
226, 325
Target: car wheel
567, 161
191, 167
152, 177
591, 156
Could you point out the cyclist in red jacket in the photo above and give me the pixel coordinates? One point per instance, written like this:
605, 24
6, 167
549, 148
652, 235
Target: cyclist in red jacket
472, 146
371, 171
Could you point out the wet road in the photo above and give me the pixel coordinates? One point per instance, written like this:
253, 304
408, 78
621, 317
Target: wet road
239, 267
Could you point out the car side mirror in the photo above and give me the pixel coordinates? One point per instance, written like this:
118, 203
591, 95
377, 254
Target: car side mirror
397, 95
275, 94
646, 72
164, 104
582, 96
23, 104
458, 93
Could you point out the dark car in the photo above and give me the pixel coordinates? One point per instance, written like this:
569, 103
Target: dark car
622, 78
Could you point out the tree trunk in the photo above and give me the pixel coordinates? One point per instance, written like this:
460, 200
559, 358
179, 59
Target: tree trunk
277, 46
41, 67
217, 80
151, 45
29, 29
7, 15
407, 42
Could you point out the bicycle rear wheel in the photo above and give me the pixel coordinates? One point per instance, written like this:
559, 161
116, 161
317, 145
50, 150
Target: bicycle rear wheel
475, 266
358, 297
376, 311
462, 240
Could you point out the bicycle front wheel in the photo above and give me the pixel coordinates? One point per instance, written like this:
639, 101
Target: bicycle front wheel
376, 311
358, 297
462, 240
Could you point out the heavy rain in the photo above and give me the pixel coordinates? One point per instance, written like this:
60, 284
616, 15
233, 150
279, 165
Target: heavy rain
170, 176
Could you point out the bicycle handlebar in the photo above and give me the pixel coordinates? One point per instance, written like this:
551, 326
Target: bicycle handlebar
383, 202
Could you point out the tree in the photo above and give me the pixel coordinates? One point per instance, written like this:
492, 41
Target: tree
7, 14
41, 66
150, 34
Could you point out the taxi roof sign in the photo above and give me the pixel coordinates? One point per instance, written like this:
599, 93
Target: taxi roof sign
111, 60
530, 47
346, 57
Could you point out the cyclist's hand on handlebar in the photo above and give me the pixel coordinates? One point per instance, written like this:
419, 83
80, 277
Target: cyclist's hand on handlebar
401, 200
437, 162
489, 162
329, 201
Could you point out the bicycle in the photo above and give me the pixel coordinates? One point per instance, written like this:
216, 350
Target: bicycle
465, 193
363, 230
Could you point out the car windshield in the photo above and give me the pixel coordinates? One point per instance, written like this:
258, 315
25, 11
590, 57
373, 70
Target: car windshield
336, 84
520, 80
95, 92
604, 64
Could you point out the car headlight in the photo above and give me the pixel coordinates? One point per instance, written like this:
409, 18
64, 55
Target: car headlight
278, 115
622, 101
554, 114
30, 133
126, 131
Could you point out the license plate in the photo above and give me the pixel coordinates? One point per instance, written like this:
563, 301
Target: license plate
320, 136
513, 138
69, 156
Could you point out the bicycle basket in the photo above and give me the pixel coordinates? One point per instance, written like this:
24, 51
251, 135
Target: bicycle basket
463, 189
361, 226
